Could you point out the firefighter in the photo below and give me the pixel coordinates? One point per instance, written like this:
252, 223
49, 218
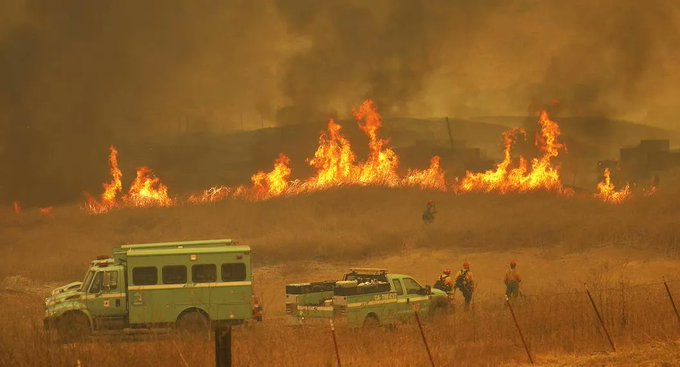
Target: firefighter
512, 280
430, 211
465, 283
445, 283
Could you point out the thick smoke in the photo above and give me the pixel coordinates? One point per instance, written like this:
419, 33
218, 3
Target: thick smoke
79, 75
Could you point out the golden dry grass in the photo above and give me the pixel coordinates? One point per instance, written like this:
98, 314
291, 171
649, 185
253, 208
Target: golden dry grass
316, 236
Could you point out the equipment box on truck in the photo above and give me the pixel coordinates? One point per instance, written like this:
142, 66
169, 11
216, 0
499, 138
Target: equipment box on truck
364, 297
189, 285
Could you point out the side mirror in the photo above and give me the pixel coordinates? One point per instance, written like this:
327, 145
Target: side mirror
428, 289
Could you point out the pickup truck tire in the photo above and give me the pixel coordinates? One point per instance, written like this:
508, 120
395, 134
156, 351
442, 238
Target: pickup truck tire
371, 321
193, 322
73, 327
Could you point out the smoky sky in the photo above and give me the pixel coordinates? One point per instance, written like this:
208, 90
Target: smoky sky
79, 75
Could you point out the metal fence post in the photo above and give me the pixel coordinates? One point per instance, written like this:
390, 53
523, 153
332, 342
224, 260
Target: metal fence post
422, 333
519, 330
335, 344
670, 296
599, 317
223, 346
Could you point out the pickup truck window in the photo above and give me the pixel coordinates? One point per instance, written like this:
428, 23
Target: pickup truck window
398, 287
144, 275
174, 274
204, 273
412, 287
235, 272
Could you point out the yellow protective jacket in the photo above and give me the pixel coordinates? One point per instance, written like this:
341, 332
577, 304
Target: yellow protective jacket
512, 276
469, 281
447, 280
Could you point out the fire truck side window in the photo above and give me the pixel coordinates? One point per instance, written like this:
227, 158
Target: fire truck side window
204, 273
145, 275
233, 272
111, 280
174, 274
97, 283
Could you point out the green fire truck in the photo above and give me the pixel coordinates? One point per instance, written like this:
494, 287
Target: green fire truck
189, 285
365, 297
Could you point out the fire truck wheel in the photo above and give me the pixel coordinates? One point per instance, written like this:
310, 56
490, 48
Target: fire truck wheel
193, 322
73, 326
371, 321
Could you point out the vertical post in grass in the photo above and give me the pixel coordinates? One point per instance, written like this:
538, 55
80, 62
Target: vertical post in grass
422, 334
599, 317
335, 344
223, 346
519, 330
670, 297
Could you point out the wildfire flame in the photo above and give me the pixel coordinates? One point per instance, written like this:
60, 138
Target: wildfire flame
336, 165
540, 175
145, 191
432, 178
107, 199
608, 193
274, 183
46, 211
381, 165
16, 207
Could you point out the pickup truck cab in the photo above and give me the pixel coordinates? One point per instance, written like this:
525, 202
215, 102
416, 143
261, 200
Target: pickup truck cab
365, 297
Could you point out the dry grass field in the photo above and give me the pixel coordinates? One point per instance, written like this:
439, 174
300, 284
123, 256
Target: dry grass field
620, 251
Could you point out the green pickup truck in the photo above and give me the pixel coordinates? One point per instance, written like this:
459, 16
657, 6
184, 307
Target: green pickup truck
364, 297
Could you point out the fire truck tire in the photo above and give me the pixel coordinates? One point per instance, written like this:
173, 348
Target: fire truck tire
371, 321
73, 326
193, 322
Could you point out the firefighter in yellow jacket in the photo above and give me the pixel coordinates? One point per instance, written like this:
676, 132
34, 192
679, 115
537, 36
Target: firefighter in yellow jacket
466, 284
512, 280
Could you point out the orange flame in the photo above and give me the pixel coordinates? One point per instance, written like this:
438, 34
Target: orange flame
16, 207
432, 178
541, 175
608, 193
108, 198
333, 160
381, 165
147, 191
274, 183
46, 211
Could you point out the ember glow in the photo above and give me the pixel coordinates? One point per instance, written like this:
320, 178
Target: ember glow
521, 176
608, 193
